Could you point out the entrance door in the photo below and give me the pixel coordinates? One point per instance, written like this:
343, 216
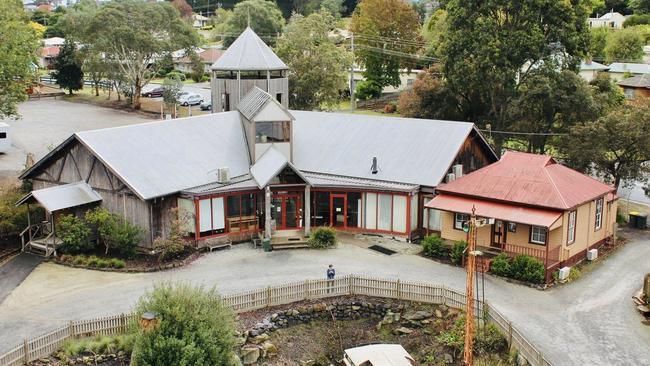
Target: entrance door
285, 210
498, 233
338, 210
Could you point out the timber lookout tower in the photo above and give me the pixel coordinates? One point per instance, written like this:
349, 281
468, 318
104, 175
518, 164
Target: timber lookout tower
248, 62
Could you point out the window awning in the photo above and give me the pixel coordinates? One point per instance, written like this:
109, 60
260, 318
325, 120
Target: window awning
61, 197
496, 210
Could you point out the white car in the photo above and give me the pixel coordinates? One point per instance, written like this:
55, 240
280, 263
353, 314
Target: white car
190, 99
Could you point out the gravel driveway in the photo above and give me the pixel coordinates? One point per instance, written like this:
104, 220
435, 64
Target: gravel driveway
589, 322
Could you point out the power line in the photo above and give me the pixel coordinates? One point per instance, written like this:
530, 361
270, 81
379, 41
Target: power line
525, 133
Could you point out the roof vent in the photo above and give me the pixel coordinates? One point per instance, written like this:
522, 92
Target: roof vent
223, 175
451, 177
374, 169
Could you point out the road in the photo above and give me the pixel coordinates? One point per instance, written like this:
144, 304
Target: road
47, 122
589, 322
634, 192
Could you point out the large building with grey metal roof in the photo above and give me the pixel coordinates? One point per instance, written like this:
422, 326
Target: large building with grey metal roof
255, 168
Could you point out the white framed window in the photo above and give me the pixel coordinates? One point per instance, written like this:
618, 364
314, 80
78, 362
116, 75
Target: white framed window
571, 234
599, 214
459, 218
537, 235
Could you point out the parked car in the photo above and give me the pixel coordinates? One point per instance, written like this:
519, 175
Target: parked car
206, 106
189, 99
155, 92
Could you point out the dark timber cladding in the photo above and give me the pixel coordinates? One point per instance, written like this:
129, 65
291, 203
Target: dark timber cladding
73, 162
474, 154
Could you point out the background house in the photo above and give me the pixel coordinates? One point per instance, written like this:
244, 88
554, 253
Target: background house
636, 86
611, 20
535, 206
208, 57
589, 69
622, 70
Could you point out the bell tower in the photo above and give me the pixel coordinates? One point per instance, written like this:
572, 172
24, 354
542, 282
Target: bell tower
247, 63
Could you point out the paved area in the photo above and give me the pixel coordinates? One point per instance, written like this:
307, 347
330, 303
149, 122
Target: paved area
47, 122
590, 322
15, 270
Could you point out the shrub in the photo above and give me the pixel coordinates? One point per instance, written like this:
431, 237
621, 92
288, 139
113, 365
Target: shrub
527, 268
195, 328
99, 344
390, 108
322, 237
456, 253
454, 338
117, 263
13, 219
75, 235
80, 260
433, 246
115, 232
173, 247
490, 341
368, 89
205, 78
177, 74
501, 265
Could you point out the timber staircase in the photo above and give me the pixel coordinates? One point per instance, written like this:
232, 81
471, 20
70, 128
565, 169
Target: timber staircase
39, 239
289, 239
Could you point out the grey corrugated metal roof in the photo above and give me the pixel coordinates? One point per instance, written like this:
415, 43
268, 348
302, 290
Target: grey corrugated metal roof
249, 53
639, 81
64, 196
268, 166
592, 65
158, 158
632, 68
414, 151
243, 182
252, 102
330, 180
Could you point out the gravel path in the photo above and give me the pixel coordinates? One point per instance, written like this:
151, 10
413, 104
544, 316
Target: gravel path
590, 322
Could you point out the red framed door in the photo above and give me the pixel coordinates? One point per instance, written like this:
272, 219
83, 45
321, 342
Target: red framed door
498, 233
339, 210
285, 210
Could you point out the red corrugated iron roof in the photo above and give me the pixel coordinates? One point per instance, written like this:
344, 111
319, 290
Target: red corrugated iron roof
496, 210
51, 51
530, 179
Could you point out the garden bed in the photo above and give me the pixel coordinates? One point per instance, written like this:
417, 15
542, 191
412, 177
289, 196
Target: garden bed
140, 263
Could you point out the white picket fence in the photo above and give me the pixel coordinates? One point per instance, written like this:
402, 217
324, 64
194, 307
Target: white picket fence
46, 344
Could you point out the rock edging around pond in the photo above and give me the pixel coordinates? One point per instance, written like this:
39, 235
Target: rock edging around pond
255, 345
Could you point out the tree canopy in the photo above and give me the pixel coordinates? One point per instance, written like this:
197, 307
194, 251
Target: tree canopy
18, 54
136, 33
625, 45
67, 68
616, 146
263, 16
317, 66
383, 29
491, 47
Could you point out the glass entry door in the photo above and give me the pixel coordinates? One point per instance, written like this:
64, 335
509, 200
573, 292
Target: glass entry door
285, 211
338, 210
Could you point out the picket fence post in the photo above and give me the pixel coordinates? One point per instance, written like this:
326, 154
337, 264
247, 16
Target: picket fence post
26, 351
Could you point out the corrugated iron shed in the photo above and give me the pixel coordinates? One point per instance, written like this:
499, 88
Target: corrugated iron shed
64, 196
530, 179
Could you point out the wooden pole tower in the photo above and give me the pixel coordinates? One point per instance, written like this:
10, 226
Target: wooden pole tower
468, 356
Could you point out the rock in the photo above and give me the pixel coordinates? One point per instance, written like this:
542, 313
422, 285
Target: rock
240, 341
448, 358
419, 315
269, 349
402, 331
521, 361
438, 313
235, 360
85, 359
250, 354
320, 307
307, 363
355, 307
260, 338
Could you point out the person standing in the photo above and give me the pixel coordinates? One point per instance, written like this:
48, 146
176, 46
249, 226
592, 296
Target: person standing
331, 272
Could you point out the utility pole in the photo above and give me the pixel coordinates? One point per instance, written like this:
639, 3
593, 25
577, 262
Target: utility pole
353, 100
468, 356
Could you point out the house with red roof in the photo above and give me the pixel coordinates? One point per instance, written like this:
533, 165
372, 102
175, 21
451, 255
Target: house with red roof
533, 205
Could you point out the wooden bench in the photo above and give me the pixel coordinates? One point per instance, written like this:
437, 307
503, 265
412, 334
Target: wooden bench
218, 243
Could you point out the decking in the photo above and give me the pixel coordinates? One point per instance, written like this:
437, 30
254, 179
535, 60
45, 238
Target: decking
40, 239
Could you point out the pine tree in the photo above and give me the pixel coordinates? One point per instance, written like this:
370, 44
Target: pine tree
67, 68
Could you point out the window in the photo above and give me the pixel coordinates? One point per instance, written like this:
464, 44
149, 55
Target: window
459, 219
512, 227
225, 102
239, 214
538, 235
3, 135
278, 97
571, 235
272, 132
599, 213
